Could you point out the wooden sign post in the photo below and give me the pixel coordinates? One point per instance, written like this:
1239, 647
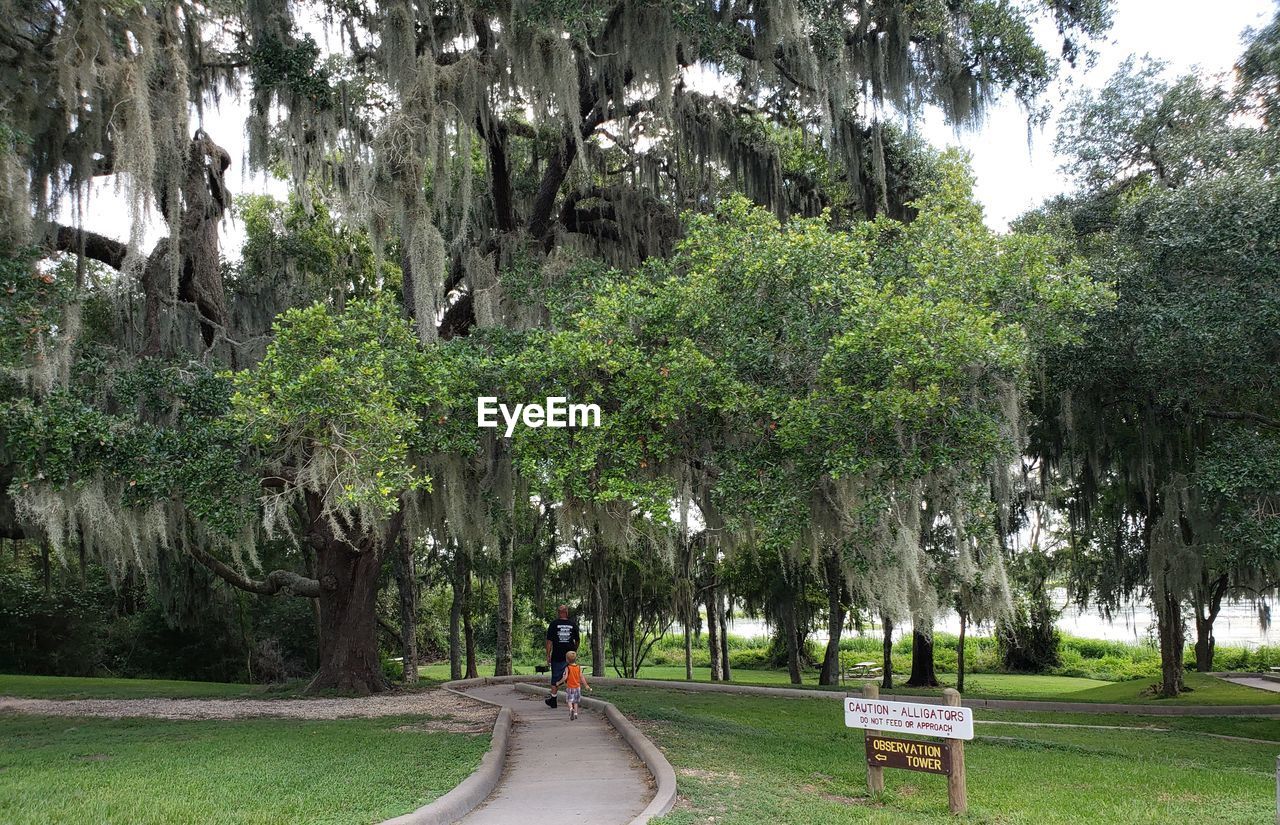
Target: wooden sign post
957, 793
875, 775
950, 721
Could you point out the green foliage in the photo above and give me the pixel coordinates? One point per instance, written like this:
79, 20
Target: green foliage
392, 670
1027, 639
303, 250
295, 67
1167, 413
32, 306
656, 391
777, 358
151, 431
54, 633
1258, 73
334, 406
1238, 475
785, 356
85, 625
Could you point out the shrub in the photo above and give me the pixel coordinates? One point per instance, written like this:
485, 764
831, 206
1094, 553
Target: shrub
753, 658
1028, 641
393, 670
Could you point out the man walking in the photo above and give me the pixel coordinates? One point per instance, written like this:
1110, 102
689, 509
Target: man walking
562, 637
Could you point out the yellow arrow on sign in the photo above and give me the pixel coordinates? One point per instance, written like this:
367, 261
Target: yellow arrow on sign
880, 757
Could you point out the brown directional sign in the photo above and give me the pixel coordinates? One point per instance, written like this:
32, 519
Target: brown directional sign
909, 754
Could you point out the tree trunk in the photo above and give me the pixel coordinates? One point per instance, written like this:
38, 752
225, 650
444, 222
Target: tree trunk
502, 665
726, 672
791, 632
886, 678
468, 629
599, 614
309, 563
922, 672
964, 621
542, 559
348, 619
1205, 645
539, 562
407, 586
44, 567
688, 651
630, 649
830, 674
713, 634
1208, 602
599, 609
455, 615
1172, 641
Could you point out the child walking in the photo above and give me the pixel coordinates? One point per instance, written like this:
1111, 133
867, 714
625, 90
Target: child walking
574, 681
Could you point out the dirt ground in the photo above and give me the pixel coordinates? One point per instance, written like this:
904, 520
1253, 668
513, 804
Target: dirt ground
438, 704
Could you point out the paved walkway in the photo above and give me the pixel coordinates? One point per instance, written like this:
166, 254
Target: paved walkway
562, 771
1254, 682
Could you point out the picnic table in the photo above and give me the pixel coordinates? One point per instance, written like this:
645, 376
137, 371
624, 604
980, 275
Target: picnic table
861, 670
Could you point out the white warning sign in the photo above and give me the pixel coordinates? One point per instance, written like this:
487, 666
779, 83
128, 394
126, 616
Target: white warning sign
909, 717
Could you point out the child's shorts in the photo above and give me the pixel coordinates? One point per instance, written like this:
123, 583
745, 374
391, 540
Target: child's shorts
574, 695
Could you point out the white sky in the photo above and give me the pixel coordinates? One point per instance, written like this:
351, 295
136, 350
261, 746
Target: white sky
1013, 174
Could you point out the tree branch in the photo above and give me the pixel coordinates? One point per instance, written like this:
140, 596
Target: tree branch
386, 628
495, 138
92, 245
276, 580
1256, 418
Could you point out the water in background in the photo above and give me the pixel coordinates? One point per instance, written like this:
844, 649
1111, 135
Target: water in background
1237, 624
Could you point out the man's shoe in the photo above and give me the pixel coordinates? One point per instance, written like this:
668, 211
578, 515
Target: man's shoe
551, 701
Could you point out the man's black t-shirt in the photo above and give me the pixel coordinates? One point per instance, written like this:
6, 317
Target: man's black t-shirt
563, 635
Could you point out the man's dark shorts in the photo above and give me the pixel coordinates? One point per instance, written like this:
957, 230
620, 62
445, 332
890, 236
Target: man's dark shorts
557, 670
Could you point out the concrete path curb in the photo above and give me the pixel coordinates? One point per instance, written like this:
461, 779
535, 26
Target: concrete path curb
980, 704
1263, 682
664, 799
473, 790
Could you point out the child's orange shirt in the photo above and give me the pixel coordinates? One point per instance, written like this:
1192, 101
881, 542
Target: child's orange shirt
573, 676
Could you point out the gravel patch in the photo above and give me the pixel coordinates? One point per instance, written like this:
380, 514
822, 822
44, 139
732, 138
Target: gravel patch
435, 703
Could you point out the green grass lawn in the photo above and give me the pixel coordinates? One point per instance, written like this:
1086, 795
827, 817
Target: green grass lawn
75, 687
1250, 727
439, 672
742, 760
1001, 685
1206, 690
141, 771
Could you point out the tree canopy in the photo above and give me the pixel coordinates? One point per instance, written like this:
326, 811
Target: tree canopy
818, 369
